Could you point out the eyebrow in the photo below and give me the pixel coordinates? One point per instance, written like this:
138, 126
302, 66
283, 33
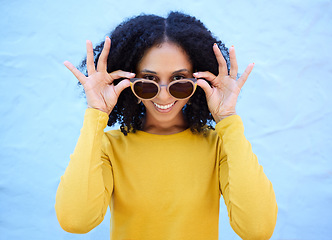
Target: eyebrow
177, 71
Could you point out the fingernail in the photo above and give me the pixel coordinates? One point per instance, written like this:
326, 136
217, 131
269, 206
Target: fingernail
195, 73
132, 74
232, 46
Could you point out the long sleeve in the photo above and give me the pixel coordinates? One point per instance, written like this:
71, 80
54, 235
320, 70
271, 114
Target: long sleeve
247, 192
85, 188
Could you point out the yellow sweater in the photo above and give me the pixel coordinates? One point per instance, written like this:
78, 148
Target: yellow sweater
165, 186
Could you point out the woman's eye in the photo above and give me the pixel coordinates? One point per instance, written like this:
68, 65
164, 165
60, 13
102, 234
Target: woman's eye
150, 77
179, 77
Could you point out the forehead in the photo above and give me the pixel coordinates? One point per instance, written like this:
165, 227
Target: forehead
166, 57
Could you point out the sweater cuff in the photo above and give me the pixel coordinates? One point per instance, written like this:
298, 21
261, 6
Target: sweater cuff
95, 117
229, 122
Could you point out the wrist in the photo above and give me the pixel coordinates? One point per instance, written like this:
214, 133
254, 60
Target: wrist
218, 118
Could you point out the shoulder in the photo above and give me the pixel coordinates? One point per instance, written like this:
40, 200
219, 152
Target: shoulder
114, 134
113, 139
208, 134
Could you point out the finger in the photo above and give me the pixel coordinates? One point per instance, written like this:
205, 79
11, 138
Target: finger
207, 75
80, 76
245, 75
221, 61
102, 62
234, 66
213, 79
121, 86
90, 65
206, 87
120, 74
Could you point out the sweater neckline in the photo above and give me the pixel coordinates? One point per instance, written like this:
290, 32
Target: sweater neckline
168, 136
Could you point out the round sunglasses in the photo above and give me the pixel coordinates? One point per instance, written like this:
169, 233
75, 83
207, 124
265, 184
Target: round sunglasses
148, 89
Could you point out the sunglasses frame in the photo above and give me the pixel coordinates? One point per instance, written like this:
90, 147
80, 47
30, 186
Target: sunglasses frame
191, 80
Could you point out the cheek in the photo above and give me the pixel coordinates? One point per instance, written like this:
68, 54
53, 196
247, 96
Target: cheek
183, 102
148, 104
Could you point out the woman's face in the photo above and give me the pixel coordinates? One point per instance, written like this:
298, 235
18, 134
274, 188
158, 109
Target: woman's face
164, 63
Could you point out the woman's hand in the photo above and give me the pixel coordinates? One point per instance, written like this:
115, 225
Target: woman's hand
224, 90
100, 93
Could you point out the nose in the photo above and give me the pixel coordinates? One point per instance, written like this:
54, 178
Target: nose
163, 94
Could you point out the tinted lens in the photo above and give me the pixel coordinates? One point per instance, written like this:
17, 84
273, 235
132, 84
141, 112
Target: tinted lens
181, 89
145, 90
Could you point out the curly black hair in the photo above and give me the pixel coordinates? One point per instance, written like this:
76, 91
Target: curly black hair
133, 37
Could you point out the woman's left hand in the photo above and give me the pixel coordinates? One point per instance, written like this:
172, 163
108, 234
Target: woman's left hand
222, 95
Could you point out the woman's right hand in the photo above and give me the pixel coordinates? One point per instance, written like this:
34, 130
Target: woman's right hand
99, 89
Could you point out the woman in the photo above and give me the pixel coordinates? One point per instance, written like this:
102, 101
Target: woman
162, 174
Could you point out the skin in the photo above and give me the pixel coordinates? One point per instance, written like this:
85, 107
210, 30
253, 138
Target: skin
162, 63
222, 95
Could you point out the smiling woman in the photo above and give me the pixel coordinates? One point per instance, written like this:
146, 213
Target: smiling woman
162, 174
164, 63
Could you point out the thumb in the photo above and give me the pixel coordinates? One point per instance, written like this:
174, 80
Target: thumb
206, 87
121, 86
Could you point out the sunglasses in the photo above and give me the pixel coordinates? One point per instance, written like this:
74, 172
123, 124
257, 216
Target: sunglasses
147, 89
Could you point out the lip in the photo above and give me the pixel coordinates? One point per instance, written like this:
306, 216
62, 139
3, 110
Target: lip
164, 110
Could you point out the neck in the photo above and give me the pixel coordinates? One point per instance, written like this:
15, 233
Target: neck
164, 128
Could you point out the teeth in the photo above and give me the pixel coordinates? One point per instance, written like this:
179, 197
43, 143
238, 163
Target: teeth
164, 106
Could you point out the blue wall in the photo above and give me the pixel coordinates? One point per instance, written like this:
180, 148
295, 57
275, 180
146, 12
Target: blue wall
285, 104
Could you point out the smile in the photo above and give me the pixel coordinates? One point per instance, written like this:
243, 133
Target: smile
164, 107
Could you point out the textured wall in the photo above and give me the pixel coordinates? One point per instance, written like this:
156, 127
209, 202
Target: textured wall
285, 104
